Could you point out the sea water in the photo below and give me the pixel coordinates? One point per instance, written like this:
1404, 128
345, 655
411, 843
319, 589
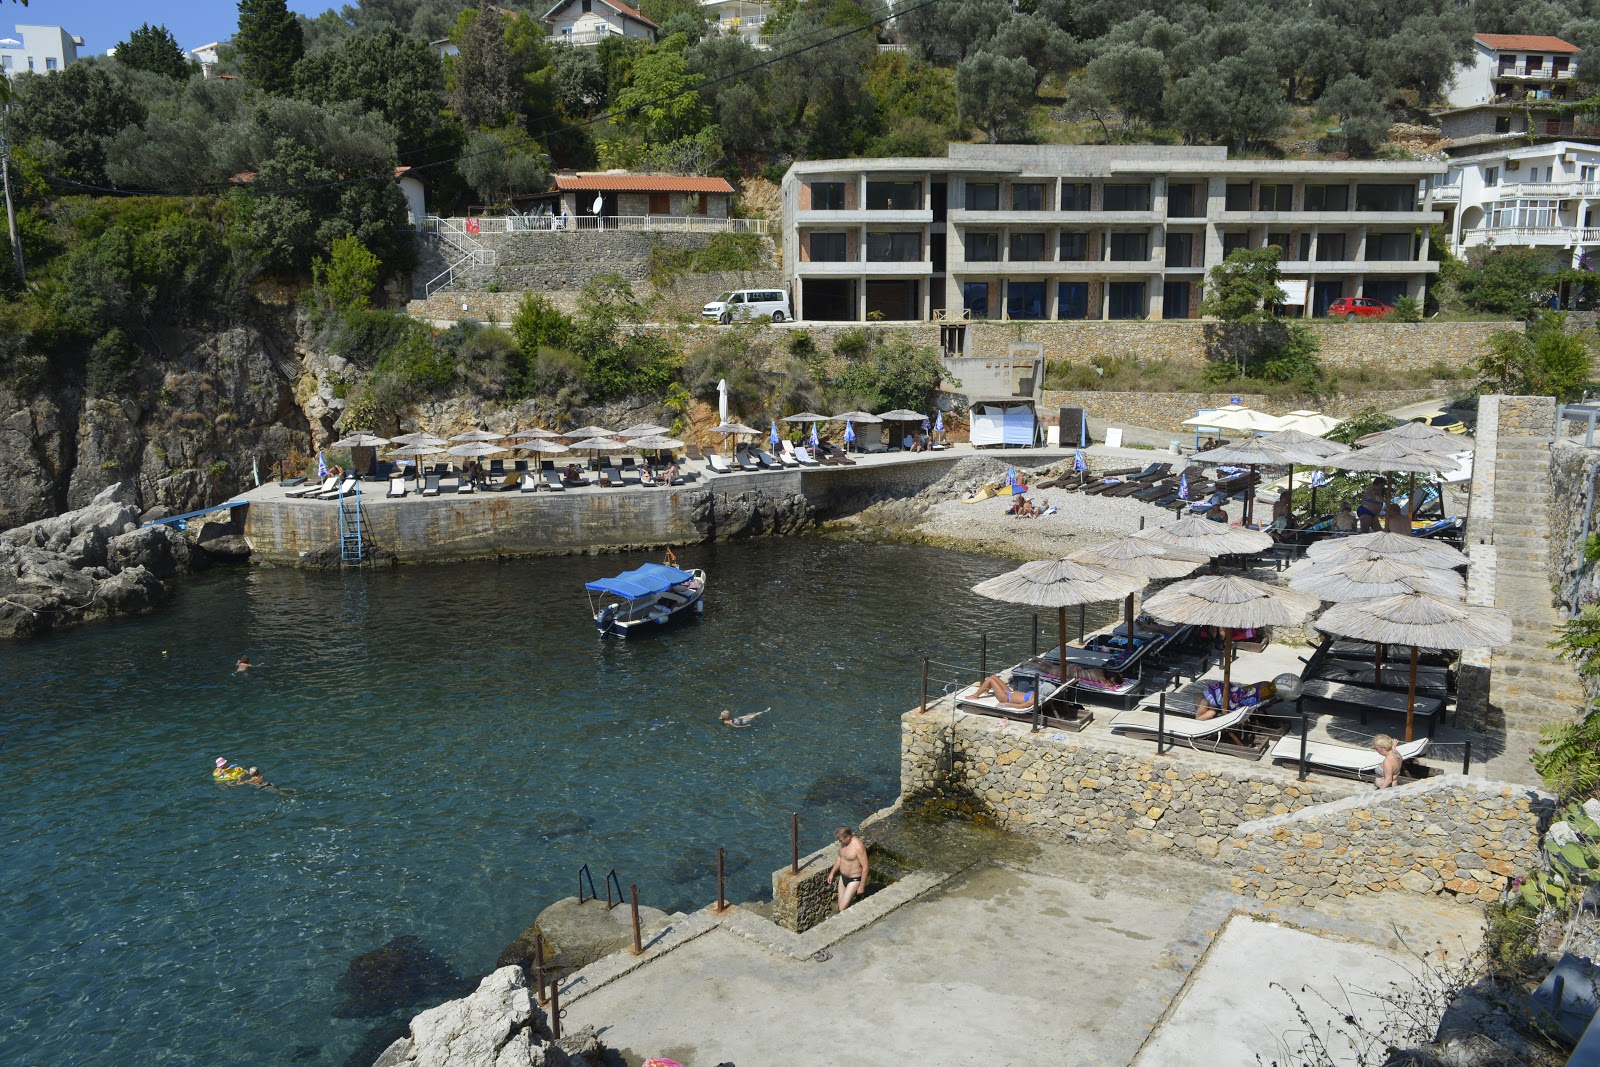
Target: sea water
452, 743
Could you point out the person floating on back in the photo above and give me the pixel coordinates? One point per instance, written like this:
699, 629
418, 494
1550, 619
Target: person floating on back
228, 775
742, 721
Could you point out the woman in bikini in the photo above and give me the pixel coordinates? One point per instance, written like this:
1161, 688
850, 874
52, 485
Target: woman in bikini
993, 686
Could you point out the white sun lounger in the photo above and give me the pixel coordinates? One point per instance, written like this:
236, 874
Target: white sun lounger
786, 455
803, 457
349, 486
717, 464
1343, 759
328, 484
1205, 734
397, 487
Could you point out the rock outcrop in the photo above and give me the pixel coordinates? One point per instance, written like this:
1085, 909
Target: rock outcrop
93, 563
496, 1026
732, 517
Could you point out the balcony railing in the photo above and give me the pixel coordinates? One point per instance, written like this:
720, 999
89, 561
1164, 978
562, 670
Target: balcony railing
1548, 189
585, 37
653, 223
1542, 73
1524, 235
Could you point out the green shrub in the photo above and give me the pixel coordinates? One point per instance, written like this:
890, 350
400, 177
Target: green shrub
347, 279
723, 252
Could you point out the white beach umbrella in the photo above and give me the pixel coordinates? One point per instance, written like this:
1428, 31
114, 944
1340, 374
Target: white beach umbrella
584, 432
1313, 423
476, 436
1059, 584
476, 448
359, 439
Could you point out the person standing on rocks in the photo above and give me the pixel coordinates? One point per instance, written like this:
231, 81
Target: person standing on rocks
849, 867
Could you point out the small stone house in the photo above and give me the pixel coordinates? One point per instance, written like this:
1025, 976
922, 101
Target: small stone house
619, 193
588, 22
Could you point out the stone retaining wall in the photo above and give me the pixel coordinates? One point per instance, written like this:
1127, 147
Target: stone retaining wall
801, 901
1166, 411
1100, 789
1454, 834
681, 298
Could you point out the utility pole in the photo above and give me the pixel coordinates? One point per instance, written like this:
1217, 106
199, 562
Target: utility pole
5, 178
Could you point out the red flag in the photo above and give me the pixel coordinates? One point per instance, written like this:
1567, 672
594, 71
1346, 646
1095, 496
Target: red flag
670, 557
472, 225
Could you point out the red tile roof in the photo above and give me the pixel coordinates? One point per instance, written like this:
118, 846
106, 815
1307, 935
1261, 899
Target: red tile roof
1526, 42
632, 14
640, 183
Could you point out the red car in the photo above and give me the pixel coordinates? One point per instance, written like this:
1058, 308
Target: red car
1357, 307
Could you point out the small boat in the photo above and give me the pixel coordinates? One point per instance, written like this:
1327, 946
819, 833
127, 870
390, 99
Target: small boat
649, 596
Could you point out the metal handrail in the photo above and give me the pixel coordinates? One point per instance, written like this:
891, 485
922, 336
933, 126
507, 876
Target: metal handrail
583, 873
613, 880
1583, 413
648, 223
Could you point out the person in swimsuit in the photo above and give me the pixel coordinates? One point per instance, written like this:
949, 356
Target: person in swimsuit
850, 867
993, 686
1384, 745
243, 665
1370, 510
742, 721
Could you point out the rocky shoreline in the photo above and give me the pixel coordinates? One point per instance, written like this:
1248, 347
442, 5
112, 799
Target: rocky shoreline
97, 562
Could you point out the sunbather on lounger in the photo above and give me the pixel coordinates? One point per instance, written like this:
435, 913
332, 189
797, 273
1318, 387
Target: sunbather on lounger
993, 686
1384, 745
1239, 696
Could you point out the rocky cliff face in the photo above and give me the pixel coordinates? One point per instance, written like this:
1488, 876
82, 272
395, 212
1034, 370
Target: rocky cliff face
181, 437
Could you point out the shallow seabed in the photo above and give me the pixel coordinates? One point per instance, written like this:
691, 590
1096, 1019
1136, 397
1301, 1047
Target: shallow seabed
453, 743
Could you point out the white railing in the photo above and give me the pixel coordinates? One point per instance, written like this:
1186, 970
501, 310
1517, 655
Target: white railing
652, 223
1525, 71
1446, 193
1519, 235
453, 233
1511, 190
587, 37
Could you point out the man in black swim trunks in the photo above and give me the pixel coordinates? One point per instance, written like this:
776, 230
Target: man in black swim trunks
850, 867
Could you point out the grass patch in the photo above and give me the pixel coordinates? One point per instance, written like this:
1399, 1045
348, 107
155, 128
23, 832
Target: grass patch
1129, 374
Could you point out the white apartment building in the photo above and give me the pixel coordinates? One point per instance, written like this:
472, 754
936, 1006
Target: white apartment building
588, 22
1508, 67
1092, 232
1527, 195
38, 49
738, 18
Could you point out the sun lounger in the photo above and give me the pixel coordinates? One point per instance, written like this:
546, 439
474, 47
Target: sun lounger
717, 464
328, 484
828, 459
693, 452
746, 461
290, 483
509, 483
1347, 761
552, 480
1210, 735
1341, 698
464, 485
839, 455
1058, 710
786, 456
1396, 675
497, 467
530, 482
430, 485
803, 456
349, 485
768, 460
397, 488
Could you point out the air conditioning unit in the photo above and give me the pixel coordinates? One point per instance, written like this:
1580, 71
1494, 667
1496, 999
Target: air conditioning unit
1513, 164
1569, 157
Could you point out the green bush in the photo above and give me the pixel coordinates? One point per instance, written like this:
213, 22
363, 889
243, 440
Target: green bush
345, 281
723, 252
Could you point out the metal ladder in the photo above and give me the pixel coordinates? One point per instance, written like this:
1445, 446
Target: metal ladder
352, 546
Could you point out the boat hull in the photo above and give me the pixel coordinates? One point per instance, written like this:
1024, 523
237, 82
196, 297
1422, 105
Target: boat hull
675, 605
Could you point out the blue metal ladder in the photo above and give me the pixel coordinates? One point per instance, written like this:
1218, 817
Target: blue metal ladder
352, 546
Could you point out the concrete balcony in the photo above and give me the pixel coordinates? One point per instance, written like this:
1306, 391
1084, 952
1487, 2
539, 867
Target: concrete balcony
1357, 266
1057, 268
1328, 219
1447, 194
1081, 219
861, 216
853, 268
1538, 236
1548, 190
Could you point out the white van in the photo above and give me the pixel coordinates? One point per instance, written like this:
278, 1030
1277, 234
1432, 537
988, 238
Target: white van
749, 304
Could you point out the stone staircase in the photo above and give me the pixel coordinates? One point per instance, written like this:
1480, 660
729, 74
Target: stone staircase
1528, 682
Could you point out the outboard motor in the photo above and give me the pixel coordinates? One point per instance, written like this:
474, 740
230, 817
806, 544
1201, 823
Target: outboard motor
607, 616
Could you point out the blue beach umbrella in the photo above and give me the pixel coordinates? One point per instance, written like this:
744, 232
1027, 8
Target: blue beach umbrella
849, 432
1078, 463
814, 435
1183, 487
322, 465
938, 422
773, 437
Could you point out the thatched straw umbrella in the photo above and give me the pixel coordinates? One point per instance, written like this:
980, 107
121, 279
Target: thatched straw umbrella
1307, 445
1229, 602
1377, 576
1417, 435
533, 434
585, 432
415, 452
1418, 619
418, 439
472, 436
642, 429
1420, 550
1140, 559
1059, 584
1198, 534
1256, 452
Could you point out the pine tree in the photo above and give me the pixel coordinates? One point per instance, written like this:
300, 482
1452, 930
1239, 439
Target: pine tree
153, 48
268, 43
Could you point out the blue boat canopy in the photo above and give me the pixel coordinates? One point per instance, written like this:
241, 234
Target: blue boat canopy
645, 581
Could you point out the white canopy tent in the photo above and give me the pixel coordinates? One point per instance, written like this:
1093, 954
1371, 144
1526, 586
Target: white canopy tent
1004, 421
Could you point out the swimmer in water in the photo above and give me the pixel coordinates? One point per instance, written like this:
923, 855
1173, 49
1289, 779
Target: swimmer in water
243, 665
257, 779
228, 775
742, 721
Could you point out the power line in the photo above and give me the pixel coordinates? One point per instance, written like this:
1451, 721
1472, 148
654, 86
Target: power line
524, 140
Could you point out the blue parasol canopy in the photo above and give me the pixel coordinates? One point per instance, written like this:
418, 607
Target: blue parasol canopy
644, 581
938, 422
849, 432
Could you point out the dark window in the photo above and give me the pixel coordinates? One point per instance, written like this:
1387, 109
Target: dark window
1075, 196
585, 7
983, 197
1238, 197
1180, 249
1074, 246
1027, 247
1130, 246
1126, 301
1025, 300
1027, 197
660, 203
1233, 242
827, 196
1327, 197
827, 248
1305, 247
983, 247
1276, 198
894, 196
936, 252
894, 247
1386, 198
975, 298
1175, 300
1072, 300
1330, 248
941, 201
1184, 201
1558, 64
1535, 63
1502, 124
1280, 241
1389, 247
1127, 198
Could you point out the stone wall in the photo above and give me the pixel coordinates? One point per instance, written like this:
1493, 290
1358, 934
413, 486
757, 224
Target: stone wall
1100, 789
1527, 416
1166, 411
1575, 486
801, 901
681, 298
1454, 834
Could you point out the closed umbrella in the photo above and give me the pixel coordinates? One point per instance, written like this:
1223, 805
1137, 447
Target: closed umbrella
1229, 602
1208, 538
1420, 620
1142, 559
938, 425
1059, 584
849, 434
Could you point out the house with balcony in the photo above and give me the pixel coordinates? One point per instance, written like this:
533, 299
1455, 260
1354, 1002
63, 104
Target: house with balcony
1539, 195
1509, 89
38, 50
1092, 232
588, 22
745, 19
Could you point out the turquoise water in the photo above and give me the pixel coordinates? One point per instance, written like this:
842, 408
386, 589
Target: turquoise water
457, 741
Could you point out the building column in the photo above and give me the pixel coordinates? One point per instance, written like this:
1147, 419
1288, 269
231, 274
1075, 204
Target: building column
861, 298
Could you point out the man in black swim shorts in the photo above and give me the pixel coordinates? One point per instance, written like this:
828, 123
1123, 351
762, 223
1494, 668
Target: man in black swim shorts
850, 867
